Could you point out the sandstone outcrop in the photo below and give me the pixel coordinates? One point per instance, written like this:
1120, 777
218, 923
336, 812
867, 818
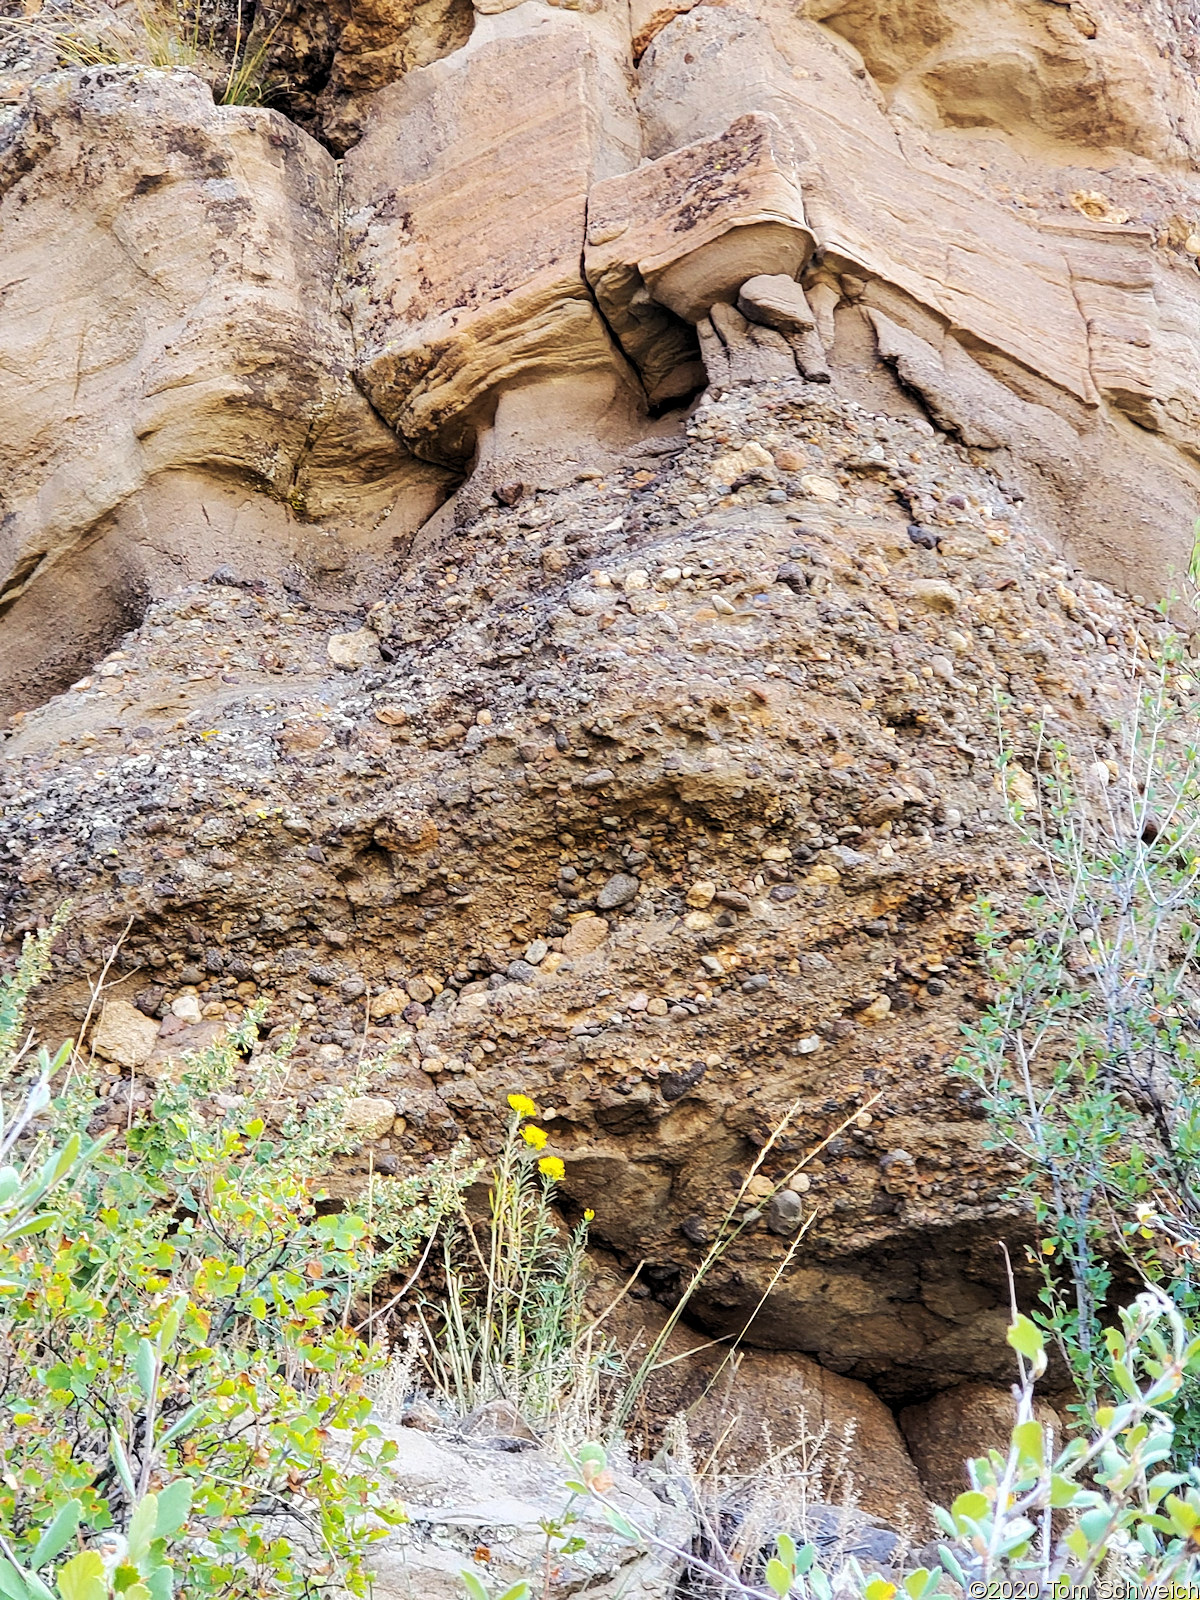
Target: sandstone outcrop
683, 233
743, 1406
538, 558
171, 351
466, 202
931, 182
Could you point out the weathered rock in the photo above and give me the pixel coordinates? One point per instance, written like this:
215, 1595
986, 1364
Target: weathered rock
681, 233
618, 891
327, 60
742, 1407
186, 1007
202, 242
123, 1035
785, 1212
777, 301
461, 1500
944, 1433
733, 755
453, 298
497, 1419
1084, 309
353, 650
390, 1003
618, 653
369, 1117
585, 936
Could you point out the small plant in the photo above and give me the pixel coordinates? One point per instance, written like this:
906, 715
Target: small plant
1088, 1061
511, 1324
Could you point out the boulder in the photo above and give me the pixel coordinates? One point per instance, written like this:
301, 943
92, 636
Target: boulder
483, 1511
944, 1433
746, 1405
124, 1035
354, 650
369, 1117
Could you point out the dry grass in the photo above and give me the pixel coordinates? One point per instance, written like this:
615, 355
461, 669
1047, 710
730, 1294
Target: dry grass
168, 34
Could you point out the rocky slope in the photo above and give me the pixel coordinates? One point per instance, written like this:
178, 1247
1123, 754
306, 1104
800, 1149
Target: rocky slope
675, 836
546, 557
537, 210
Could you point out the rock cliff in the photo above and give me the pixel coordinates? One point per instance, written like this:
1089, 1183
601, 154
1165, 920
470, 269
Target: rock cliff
516, 554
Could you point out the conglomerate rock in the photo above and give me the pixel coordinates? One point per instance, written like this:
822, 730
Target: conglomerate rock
548, 586
665, 800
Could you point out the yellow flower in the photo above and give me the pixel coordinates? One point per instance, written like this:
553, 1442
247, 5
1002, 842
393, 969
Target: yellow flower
551, 1167
589, 1215
534, 1137
522, 1105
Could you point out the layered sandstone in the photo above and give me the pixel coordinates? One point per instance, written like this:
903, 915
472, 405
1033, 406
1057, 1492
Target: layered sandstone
992, 203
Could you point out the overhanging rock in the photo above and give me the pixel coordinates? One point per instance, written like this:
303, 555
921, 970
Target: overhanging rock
668, 241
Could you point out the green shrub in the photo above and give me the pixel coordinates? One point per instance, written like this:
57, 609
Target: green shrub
511, 1324
182, 1378
1089, 1059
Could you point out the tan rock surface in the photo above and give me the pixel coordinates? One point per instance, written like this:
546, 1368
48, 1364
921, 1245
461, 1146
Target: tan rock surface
466, 203
1068, 314
742, 1407
960, 1424
170, 266
477, 1510
369, 1117
124, 1035
697, 222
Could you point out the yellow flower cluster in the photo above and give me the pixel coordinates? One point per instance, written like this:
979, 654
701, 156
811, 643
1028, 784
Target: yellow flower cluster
549, 1166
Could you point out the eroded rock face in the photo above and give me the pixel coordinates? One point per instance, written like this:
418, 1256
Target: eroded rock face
799, 379
330, 59
467, 201
739, 1406
966, 1422
666, 802
542, 206
168, 329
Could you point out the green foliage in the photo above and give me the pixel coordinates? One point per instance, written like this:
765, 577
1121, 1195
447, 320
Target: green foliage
479, 1591
182, 1383
1118, 1503
1089, 1060
792, 1570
